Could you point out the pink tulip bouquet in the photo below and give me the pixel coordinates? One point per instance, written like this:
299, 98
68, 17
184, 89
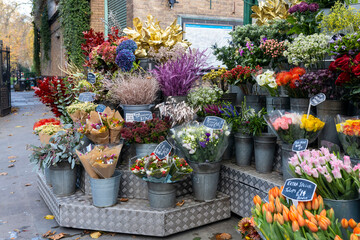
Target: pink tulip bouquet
290, 126
335, 177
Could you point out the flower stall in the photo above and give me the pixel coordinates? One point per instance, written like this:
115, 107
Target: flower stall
155, 135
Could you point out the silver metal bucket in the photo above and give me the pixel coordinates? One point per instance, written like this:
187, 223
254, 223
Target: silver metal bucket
205, 178
344, 208
244, 147
286, 154
229, 151
105, 191
161, 195
264, 146
128, 109
327, 111
144, 149
63, 179
47, 174
299, 104
239, 94
277, 103
257, 102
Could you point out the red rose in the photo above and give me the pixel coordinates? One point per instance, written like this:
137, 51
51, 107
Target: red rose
357, 58
343, 63
356, 70
332, 66
344, 77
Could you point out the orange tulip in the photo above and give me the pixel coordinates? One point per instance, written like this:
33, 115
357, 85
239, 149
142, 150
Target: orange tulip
277, 192
315, 204
280, 219
308, 214
293, 216
312, 226
321, 201
285, 207
323, 213
354, 237
271, 206
323, 224
308, 205
315, 196
278, 205
257, 206
265, 207
356, 230
337, 238
300, 210
331, 213
313, 220
271, 198
257, 200
300, 220
358, 225
295, 226
328, 222
352, 223
292, 208
269, 218
302, 204
286, 214
344, 223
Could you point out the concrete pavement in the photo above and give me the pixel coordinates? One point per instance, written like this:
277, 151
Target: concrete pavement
22, 209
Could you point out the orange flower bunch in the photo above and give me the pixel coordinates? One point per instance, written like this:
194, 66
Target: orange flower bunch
354, 227
289, 78
277, 219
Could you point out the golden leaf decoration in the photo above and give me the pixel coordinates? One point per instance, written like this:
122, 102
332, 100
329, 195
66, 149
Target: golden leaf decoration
150, 34
271, 10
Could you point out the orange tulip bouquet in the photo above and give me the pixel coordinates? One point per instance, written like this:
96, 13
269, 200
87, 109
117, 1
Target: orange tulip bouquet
352, 228
280, 219
348, 129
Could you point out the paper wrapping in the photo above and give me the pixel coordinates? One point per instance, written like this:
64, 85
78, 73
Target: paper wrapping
85, 162
79, 116
114, 131
44, 138
95, 135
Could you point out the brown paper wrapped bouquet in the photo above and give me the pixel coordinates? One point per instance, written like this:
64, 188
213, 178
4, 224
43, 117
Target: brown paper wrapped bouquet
80, 111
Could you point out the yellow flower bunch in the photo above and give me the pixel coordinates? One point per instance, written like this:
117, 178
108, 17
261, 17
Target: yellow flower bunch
311, 124
214, 75
48, 129
350, 127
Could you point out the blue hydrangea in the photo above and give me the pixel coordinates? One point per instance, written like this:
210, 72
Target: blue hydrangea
124, 59
127, 44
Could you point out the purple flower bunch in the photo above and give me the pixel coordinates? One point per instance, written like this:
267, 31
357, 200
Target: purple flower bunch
125, 55
303, 7
206, 140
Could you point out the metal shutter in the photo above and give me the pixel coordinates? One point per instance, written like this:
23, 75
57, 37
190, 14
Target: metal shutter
118, 9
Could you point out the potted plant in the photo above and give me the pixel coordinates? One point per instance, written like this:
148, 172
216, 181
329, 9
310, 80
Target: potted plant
160, 175
133, 91
303, 18
203, 148
46, 128
146, 135
177, 76
337, 181
348, 129
290, 127
60, 157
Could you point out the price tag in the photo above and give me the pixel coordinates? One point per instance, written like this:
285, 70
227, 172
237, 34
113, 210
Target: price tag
142, 116
100, 108
163, 149
300, 145
214, 123
317, 99
87, 97
129, 117
91, 77
298, 189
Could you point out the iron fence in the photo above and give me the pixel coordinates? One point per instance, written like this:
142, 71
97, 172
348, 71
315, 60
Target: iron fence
5, 87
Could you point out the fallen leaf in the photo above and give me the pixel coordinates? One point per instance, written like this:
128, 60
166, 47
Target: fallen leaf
3, 173
12, 161
12, 192
49, 217
179, 204
11, 157
27, 184
57, 236
48, 233
19, 126
95, 235
44, 114
11, 165
223, 236
124, 199
9, 146
10, 135
15, 113
77, 238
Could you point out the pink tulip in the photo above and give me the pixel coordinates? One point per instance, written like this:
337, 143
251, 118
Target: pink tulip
336, 172
347, 160
328, 177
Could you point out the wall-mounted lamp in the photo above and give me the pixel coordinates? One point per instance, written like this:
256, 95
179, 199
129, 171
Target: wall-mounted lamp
172, 3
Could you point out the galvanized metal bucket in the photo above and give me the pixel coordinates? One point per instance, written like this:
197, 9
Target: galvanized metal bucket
344, 208
144, 149
128, 109
244, 148
264, 146
205, 178
299, 104
239, 94
47, 174
63, 179
286, 154
277, 103
257, 102
229, 151
161, 195
105, 191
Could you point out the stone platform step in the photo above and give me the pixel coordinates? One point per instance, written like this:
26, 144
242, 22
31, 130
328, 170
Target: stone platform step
134, 216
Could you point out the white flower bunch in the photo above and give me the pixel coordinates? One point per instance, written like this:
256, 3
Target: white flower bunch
267, 79
307, 49
202, 96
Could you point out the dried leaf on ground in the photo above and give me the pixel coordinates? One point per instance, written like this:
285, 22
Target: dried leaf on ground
11, 161
95, 235
57, 236
11, 165
49, 217
27, 184
12, 192
223, 236
19, 126
3, 173
9, 146
124, 199
11, 157
48, 233
179, 204
10, 135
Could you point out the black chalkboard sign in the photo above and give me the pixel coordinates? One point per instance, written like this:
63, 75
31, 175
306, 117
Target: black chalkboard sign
317, 99
163, 149
142, 116
87, 97
300, 145
100, 108
91, 78
215, 123
299, 189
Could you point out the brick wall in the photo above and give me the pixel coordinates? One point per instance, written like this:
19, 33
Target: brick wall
97, 15
161, 10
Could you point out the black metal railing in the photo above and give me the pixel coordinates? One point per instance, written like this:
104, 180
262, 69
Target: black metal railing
5, 87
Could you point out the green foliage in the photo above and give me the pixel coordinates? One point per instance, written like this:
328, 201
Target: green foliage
36, 56
75, 19
304, 22
61, 148
257, 123
45, 33
323, 3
